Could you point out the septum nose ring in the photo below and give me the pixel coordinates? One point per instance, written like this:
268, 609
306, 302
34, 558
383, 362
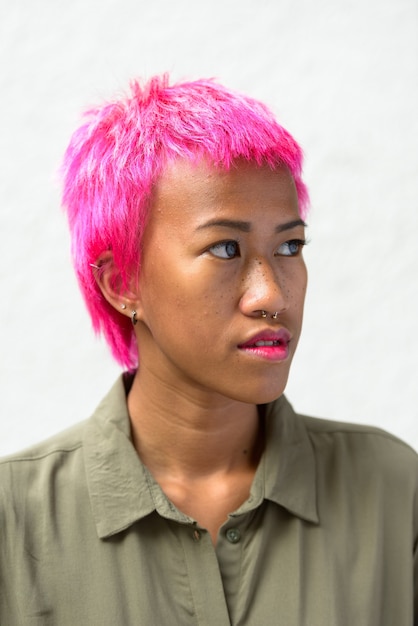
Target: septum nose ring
273, 316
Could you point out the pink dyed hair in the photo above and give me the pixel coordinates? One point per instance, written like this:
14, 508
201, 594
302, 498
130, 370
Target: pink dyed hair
114, 159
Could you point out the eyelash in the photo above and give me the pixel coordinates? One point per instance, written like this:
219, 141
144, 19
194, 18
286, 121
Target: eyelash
299, 243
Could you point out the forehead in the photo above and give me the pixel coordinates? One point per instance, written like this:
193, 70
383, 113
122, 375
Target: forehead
198, 188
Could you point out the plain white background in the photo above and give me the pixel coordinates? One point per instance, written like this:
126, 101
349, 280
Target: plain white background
341, 75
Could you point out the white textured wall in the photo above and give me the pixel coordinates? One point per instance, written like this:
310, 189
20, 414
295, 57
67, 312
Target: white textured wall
341, 76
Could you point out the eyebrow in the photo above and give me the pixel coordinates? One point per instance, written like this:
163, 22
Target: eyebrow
246, 226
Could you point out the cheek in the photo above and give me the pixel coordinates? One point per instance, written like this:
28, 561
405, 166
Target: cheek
294, 285
175, 301
301, 280
298, 293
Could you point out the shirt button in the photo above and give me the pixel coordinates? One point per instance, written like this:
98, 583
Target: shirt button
233, 535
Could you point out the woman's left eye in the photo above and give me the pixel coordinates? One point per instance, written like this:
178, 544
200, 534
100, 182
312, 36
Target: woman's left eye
225, 249
291, 248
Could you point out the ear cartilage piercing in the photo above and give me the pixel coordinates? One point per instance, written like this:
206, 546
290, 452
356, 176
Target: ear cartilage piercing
133, 318
96, 267
123, 306
263, 313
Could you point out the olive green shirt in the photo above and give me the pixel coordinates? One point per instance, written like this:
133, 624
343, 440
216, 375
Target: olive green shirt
326, 538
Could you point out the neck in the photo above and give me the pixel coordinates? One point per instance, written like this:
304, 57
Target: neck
192, 436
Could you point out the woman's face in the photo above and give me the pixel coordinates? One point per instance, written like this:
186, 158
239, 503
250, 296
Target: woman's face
219, 249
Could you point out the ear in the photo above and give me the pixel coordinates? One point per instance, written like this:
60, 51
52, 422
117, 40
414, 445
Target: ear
109, 280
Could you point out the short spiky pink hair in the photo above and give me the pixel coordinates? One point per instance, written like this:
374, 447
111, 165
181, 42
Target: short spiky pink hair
114, 159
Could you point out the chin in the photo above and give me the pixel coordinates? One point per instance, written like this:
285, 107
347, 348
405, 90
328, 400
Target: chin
261, 394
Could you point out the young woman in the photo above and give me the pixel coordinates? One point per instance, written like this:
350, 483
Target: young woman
195, 494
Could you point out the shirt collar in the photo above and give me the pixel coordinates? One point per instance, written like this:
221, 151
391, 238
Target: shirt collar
122, 491
289, 462
116, 478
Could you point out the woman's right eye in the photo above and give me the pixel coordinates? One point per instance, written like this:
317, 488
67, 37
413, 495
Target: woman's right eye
225, 249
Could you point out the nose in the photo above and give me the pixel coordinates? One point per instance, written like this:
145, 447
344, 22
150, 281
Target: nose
263, 290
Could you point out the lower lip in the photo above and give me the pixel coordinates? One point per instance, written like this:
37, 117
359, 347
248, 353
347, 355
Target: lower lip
268, 353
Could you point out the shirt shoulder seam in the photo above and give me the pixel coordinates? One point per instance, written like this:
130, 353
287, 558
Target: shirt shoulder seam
40, 456
361, 430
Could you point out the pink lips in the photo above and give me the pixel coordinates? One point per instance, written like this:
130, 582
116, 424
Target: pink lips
270, 345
